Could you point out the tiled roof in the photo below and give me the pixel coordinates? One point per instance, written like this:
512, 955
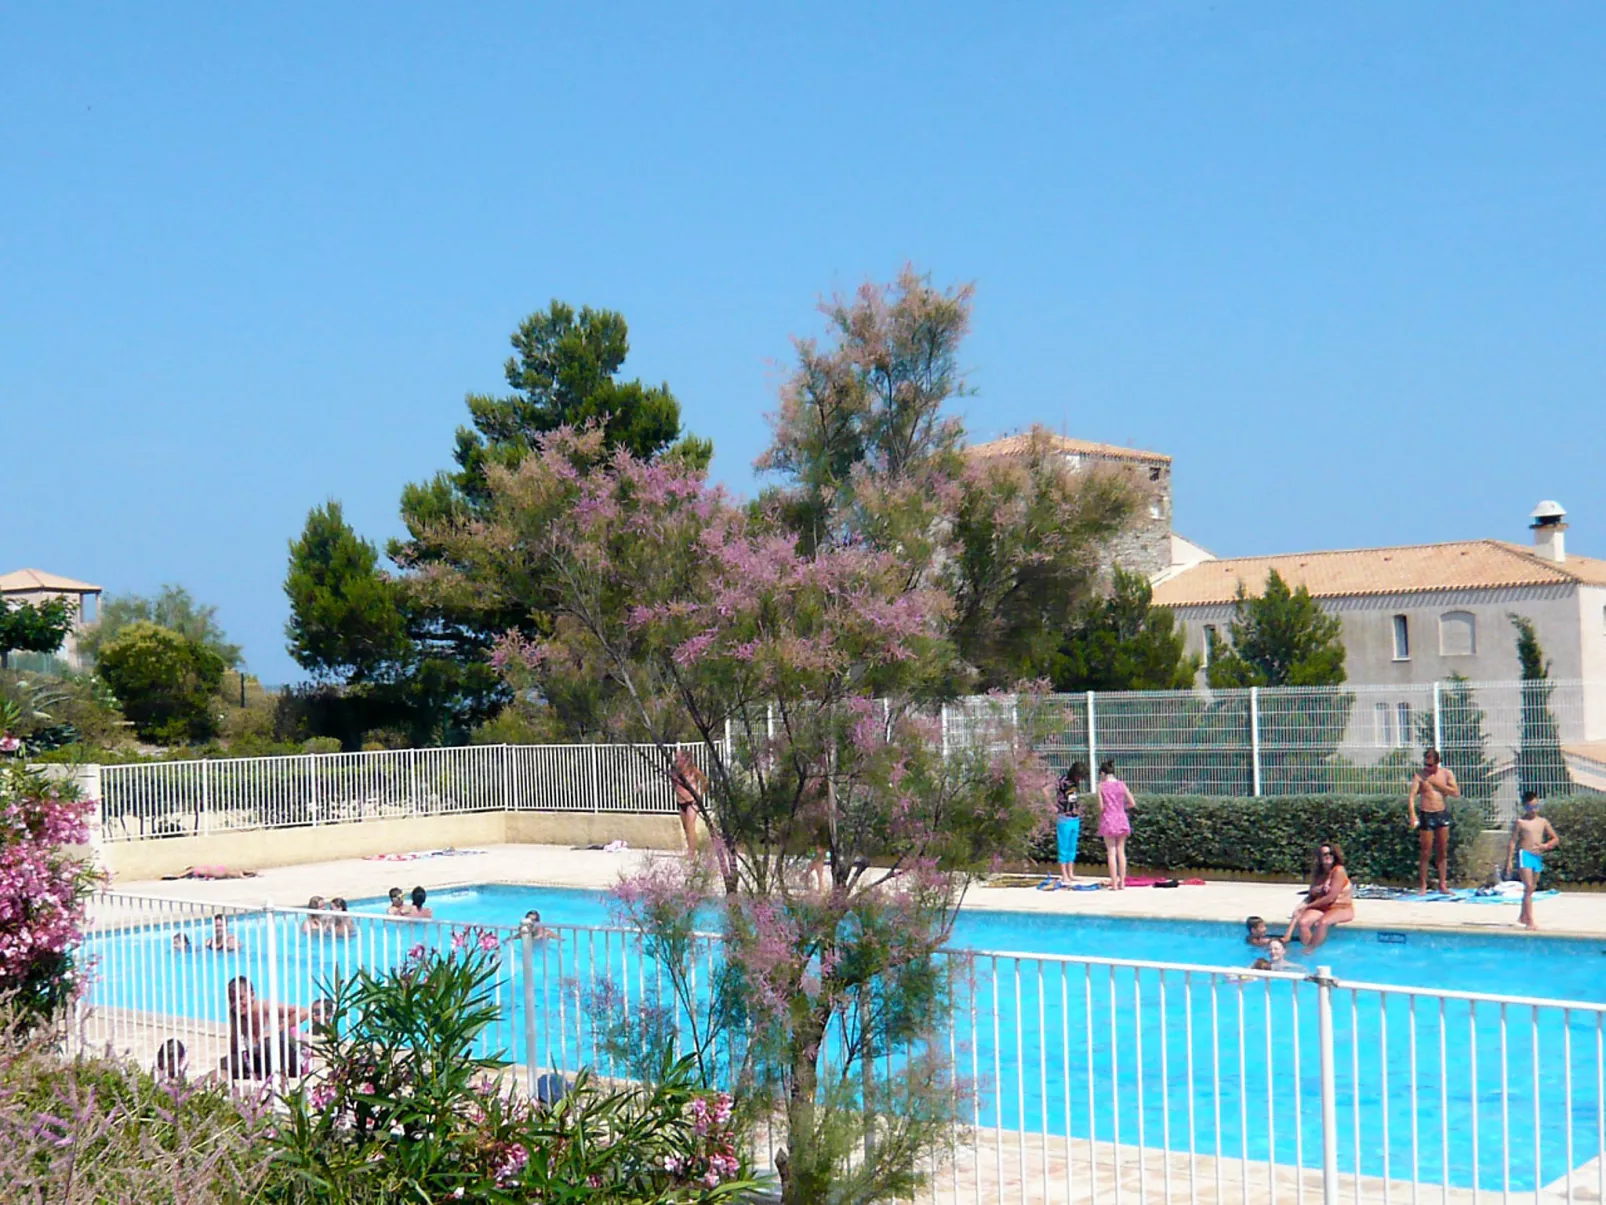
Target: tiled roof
1465, 565
27, 580
1015, 445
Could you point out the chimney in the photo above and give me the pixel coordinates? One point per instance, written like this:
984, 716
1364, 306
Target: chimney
1549, 525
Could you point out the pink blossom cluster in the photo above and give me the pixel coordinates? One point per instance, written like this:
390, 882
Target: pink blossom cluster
42, 888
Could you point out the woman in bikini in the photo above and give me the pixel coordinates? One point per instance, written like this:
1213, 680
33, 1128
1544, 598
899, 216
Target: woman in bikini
1328, 901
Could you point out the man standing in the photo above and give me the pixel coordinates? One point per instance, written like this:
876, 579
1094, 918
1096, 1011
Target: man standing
1531, 839
1435, 785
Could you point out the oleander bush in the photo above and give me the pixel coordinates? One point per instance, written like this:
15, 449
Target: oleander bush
1580, 822
1274, 835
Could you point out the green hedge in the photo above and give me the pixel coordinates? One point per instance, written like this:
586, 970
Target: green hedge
1274, 835
1580, 822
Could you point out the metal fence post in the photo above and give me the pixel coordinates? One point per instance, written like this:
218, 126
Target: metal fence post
507, 778
1254, 733
206, 798
1438, 718
313, 792
1324, 1033
271, 1059
596, 780
412, 782
1092, 739
942, 720
527, 960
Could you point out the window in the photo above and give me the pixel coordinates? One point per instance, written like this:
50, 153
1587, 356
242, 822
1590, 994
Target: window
1154, 510
1154, 473
1402, 729
1402, 638
88, 607
1382, 728
1458, 634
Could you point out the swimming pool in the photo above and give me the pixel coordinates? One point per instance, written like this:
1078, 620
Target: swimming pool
1429, 1088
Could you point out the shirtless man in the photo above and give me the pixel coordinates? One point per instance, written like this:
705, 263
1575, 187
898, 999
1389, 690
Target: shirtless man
1531, 838
1435, 785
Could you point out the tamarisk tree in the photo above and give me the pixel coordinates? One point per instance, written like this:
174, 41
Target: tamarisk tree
841, 832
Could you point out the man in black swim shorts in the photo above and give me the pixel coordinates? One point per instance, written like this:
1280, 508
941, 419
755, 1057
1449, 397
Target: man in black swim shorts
1435, 785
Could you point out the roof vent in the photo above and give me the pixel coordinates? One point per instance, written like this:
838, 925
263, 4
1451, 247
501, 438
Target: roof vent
1549, 525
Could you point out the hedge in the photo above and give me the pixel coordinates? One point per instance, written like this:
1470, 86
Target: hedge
1580, 822
1274, 835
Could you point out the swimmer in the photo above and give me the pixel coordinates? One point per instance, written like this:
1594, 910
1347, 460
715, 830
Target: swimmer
222, 940
537, 931
1257, 931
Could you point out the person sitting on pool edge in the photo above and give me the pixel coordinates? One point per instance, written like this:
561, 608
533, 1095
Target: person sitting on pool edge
1328, 900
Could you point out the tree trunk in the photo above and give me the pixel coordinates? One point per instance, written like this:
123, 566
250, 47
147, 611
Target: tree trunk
808, 1176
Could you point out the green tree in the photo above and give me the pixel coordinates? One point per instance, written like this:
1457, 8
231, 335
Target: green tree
1123, 642
1281, 638
346, 618
33, 627
563, 373
166, 683
174, 608
1541, 765
1462, 743
869, 456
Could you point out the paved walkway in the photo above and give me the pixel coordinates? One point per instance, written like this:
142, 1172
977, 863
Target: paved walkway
1580, 914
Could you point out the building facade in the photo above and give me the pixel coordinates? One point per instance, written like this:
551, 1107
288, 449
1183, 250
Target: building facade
35, 586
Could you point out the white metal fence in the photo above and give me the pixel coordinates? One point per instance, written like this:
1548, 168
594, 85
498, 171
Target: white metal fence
204, 796
1496, 736
1082, 1079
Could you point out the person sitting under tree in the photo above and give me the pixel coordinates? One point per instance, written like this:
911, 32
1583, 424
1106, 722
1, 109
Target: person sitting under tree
1435, 786
1531, 839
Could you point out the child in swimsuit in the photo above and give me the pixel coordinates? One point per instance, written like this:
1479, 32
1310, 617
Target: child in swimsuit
1114, 824
1531, 838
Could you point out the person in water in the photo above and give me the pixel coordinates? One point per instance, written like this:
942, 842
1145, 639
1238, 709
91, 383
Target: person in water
1328, 900
1257, 935
1115, 826
1531, 839
398, 903
1434, 786
1068, 821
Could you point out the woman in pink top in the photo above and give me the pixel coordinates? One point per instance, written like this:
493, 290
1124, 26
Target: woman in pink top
1114, 825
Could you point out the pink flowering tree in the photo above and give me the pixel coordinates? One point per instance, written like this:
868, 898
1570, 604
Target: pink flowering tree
43, 888
842, 830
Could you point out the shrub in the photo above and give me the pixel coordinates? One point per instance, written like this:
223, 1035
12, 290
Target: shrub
1580, 822
1274, 835
167, 685
320, 744
405, 1111
86, 1131
42, 891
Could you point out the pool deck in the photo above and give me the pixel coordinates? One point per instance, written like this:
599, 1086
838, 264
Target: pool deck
1571, 914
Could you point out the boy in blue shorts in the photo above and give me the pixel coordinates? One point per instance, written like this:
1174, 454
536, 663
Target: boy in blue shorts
1531, 839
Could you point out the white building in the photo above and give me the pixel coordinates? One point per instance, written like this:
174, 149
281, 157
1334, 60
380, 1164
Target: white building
1419, 614
35, 586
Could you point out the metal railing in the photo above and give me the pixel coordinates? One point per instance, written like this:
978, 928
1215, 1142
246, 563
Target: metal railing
1078, 1078
1356, 739
213, 795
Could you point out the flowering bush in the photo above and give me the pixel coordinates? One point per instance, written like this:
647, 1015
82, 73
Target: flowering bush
42, 890
87, 1131
404, 1110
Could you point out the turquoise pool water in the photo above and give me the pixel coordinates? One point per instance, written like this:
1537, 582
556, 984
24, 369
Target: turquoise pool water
1123, 1054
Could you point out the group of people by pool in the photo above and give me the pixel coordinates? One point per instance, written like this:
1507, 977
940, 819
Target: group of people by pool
1329, 899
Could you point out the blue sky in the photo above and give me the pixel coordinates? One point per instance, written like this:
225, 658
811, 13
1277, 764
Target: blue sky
1345, 263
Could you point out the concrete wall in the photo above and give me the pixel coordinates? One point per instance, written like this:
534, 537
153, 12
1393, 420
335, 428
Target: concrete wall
1369, 634
1592, 634
258, 850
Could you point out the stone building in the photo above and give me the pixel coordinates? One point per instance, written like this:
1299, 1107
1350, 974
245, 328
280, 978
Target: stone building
1146, 542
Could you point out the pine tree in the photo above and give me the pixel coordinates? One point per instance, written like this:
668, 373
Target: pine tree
1541, 765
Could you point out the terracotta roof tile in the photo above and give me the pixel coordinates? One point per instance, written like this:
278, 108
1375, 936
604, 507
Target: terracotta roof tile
25, 580
1014, 445
1464, 565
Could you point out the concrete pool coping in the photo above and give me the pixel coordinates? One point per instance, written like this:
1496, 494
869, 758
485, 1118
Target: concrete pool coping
1571, 914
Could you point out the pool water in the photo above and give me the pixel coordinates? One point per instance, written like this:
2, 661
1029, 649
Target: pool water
1192, 1061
